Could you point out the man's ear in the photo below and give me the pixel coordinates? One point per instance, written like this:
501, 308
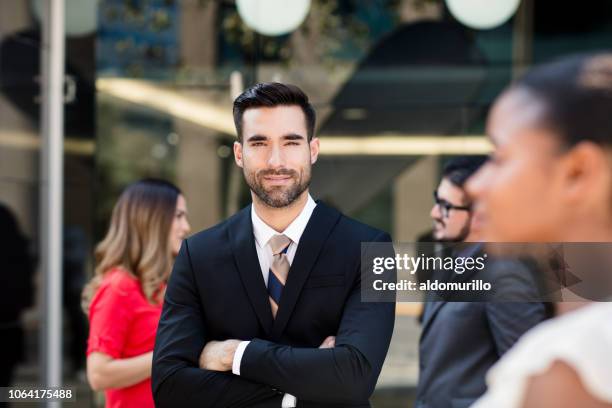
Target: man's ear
238, 153
314, 150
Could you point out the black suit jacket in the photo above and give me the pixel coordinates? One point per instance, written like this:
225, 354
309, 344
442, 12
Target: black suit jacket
217, 292
460, 341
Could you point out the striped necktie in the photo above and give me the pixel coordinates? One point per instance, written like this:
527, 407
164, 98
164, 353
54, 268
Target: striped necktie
278, 270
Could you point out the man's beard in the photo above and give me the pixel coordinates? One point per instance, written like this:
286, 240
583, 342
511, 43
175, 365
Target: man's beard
277, 196
460, 237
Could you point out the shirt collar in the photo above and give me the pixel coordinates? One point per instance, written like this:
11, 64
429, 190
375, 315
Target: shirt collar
263, 232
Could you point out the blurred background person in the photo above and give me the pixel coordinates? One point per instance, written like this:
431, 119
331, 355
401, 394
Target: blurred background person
124, 298
76, 251
16, 293
550, 180
452, 211
460, 341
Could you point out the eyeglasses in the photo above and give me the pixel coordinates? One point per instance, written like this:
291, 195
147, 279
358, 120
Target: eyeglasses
445, 206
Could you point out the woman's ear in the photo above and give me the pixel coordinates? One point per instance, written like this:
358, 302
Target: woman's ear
586, 171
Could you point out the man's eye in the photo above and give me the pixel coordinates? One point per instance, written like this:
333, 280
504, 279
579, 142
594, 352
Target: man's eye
293, 143
257, 144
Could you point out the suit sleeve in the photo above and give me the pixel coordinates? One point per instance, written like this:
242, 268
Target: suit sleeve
513, 310
346, 373
176, 378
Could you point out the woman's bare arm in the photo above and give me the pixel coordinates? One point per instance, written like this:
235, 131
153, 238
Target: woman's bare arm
104, 372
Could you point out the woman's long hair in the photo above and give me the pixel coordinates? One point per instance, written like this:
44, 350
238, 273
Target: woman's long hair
138, 238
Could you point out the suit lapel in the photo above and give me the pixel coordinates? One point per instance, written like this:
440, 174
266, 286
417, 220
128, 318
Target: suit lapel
320, 225
243, 247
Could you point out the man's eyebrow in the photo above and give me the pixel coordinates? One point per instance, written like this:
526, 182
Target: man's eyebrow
293, 136
257, 138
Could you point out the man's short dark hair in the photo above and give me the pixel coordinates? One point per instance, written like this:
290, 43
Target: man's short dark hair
271, 94
458, 169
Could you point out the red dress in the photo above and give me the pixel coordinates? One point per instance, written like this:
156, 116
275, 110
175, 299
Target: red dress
122, 324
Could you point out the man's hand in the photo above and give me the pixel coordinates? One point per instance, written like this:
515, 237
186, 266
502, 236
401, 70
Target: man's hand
218, 355
329, 342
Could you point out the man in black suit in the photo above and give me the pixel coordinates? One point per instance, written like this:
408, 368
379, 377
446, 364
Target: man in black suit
264, 309
461, 340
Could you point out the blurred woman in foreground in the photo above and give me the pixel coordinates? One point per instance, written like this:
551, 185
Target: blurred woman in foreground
124, 298
550, 180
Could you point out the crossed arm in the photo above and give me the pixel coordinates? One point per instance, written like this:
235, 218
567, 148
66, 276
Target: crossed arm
345, 373
176, 377
219, 355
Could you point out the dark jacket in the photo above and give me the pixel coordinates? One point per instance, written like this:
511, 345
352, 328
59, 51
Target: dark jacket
461, 340
217, 292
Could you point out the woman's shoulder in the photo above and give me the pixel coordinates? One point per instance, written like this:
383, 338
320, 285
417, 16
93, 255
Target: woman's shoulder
581, 339
119, 281
117, 295
582, 332
576, 326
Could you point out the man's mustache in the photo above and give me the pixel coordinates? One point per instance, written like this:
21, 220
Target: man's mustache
280, 172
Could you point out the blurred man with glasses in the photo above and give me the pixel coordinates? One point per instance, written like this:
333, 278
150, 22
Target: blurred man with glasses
461, 340
451, 212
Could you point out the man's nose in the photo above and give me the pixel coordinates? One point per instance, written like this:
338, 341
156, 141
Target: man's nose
435, 212
276, 157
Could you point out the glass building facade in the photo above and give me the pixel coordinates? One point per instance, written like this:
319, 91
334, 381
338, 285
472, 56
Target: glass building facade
398, 85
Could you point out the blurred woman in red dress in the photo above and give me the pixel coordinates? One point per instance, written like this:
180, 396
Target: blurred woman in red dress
124, 298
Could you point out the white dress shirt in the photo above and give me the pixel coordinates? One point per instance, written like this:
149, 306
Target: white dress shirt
263, 232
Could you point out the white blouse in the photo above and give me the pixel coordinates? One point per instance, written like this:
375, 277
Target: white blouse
581, 339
